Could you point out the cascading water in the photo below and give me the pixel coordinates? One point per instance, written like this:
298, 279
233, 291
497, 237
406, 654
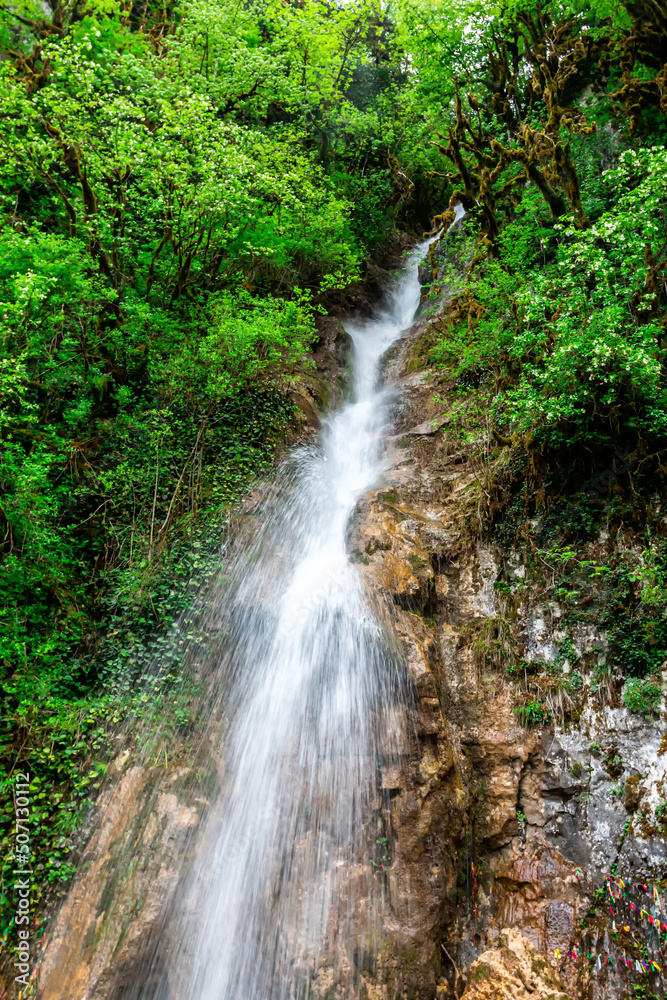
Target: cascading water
282, 885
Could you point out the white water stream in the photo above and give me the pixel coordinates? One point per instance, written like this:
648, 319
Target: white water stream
283, 882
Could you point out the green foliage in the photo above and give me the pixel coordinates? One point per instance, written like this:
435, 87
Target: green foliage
587, 340
563, 303
642, 695
635, 614
249, 342
661, 812
382, 860
626, 599
568, 320
532, 713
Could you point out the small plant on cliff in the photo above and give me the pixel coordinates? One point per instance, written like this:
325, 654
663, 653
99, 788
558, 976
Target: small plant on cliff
642, 992
642, 695
661, 812
532, 713
383, 860
494, 644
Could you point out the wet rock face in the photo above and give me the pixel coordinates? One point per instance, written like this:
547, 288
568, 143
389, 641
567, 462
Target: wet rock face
127, 872
425, 822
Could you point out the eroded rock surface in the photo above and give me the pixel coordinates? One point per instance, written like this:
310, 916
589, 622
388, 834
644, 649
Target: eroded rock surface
128, 871
514, 970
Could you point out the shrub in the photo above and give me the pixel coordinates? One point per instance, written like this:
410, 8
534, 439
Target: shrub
532, 713
642, 696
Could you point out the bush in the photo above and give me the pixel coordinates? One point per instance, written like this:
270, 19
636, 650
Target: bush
532, 713
569, 319
642, 696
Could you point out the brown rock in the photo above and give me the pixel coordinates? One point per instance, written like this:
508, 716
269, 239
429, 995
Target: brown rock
536, 891
128, 871
513, 971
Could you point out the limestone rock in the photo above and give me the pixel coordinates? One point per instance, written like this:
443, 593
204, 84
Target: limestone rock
513, 971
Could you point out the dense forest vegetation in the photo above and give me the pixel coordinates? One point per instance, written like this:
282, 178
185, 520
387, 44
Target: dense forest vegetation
185, 187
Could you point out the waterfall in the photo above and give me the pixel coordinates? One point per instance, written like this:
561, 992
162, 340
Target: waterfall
283, 886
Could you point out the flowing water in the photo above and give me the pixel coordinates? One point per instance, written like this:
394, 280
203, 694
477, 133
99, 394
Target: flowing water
284, 882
